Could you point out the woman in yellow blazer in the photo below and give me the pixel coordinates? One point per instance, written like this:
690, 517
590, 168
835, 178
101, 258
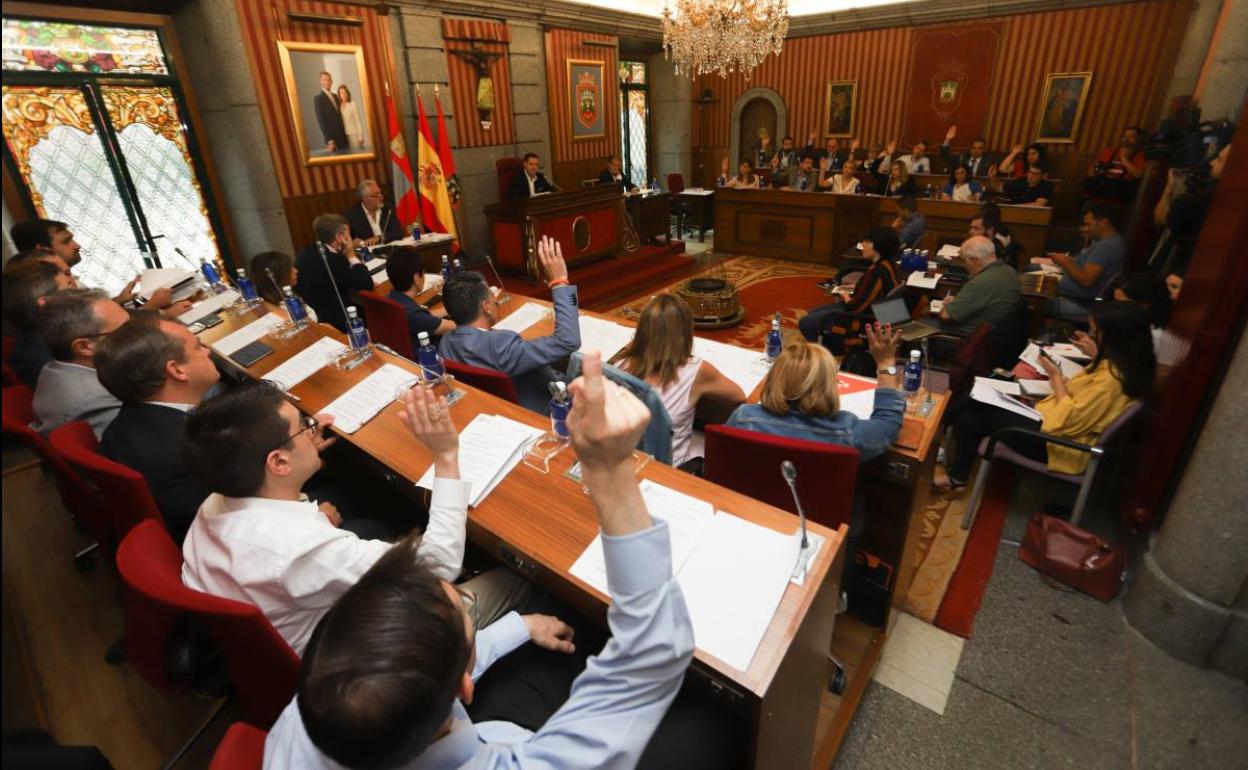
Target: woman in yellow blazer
1122, 370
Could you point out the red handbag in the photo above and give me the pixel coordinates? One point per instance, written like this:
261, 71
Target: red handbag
1073, 556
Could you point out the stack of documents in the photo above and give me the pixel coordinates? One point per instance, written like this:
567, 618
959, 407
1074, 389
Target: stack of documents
522, 318
922, 280
1031, 357
369, 396
209, 306
1022, 387
949, 251
489, 447
606, 337
733, 573
183, 283
305, 363
991, 394
235, 341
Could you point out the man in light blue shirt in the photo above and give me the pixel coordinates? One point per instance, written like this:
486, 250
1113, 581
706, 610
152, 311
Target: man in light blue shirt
472, 306
389, 668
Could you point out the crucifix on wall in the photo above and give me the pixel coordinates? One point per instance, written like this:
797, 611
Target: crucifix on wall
481, 60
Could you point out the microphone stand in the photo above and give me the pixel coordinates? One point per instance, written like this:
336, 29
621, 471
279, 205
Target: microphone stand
384, 225
294, 326
344, 361
810, 544
503, 296
925, 408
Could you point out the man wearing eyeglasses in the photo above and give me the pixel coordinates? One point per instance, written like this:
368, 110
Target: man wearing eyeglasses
257, 538
71, 322
372, 222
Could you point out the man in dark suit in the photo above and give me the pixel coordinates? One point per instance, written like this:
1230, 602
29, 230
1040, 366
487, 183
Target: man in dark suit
317, 285
329, 115
529, 182
976, 158
614, 174
372, 221
159, 371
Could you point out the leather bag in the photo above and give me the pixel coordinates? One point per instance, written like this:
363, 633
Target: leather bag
1072, 556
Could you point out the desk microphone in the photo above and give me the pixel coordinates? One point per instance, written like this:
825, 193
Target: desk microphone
504, 296
789, 470
273, 279
320, 247
389, 214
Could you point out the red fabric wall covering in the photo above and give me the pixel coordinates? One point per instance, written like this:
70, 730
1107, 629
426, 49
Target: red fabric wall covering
564, 44
266, 23
1124, 45
492, 37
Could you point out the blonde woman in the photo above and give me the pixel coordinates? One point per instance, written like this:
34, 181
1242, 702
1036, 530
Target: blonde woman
661, 353
899, 181
351, 122
846, 182
801, 399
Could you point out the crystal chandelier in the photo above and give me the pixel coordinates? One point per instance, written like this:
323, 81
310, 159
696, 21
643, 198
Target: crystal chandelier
723, 36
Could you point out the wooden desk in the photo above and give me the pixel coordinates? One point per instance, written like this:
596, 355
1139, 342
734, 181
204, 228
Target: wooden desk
784, 224
431, 251
948, 220
701, 205
589, 224
651, 215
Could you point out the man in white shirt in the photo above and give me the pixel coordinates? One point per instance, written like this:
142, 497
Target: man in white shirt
917, 161
372, 221
530, 181
258, 539
71, 322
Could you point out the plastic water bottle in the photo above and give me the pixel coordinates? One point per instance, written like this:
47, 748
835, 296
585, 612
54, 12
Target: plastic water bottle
446, 269
931, 191
913, 377
429, 358
456, 268
415, 231
654, 184
364, 253
774, 339
211, 276
246, 287
357, 333
559, 411
294, 306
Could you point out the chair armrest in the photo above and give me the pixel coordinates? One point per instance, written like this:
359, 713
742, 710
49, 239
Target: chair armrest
1096, 451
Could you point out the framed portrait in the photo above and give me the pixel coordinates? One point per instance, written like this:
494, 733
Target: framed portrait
588, 112
1061, 106
329, 101
841, 108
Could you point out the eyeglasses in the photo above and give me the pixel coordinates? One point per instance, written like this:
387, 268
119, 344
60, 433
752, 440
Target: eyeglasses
306, 422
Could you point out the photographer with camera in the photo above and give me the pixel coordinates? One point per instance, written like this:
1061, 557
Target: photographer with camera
1180, 212
1117, 170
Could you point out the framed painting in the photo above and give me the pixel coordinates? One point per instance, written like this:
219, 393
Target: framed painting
1061, 106
841, 108
327, 88
586, 97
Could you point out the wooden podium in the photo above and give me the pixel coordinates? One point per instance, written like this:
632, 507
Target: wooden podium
805, 226
589, 224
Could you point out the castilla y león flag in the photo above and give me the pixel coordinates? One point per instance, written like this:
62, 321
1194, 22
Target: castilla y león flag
435, 201
405, 206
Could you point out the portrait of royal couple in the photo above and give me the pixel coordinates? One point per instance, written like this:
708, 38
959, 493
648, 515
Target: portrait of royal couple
338, 116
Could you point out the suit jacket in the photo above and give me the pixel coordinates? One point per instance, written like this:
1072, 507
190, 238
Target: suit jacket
29, 356
607, 178
361, 229
527, 361
317, 290
519, 187
148, 438
978, 168
69, 392
329, 118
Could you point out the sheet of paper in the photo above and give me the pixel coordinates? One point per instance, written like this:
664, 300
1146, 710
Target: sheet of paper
489, 448
163, 278
935, 306
733, 584
376, 264
922, 280
1031, 357
949, 251
305, 363
231, 343
367, 397
1067, 350
522, 317
1004, 386
741, 365
987, 395
697, 191
432, 281
1036, 388
209, 306
856, 394
687, 517
606, 337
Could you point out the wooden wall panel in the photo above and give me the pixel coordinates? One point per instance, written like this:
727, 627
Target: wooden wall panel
489, 37
266, 23
562, 45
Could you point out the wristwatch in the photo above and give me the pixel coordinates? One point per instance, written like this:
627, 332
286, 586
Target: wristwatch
892, 370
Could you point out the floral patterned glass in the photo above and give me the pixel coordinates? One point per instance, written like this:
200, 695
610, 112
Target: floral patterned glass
58, 46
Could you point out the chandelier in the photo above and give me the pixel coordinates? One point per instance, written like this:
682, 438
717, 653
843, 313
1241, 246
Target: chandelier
723, 36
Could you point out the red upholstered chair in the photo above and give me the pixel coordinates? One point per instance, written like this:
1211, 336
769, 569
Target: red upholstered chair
490, 380
507, 168
126, 500
970, 360
242, 748
10, 376
749, 462
79, 498
387, 323
675, 183
263, 668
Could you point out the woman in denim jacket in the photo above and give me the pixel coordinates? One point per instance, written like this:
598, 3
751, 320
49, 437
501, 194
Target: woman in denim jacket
800, 398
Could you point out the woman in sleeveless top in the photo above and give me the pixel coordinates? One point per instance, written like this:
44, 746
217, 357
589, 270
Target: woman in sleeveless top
661, 353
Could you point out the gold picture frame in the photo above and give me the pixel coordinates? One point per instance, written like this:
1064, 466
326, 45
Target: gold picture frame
1061, 106
313, 115
587, 119
840, 108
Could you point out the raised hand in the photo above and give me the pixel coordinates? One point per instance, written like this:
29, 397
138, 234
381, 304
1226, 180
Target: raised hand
951, 133
883, 341
854, 144
161, 298
550, 632
427, 416
550, 254
1016, 149
127, 293
891, 147
813, 136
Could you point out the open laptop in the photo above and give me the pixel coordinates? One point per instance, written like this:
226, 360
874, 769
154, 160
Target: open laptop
893, 311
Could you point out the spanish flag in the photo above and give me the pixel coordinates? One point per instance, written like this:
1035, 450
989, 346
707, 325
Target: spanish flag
435, 201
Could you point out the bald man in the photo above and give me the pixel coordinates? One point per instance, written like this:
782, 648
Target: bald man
988, 295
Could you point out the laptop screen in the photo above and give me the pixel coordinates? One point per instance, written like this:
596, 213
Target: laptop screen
891, 311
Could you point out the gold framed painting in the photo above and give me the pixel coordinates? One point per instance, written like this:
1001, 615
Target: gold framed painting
840, 108
1061, 106
327, 88
586, 99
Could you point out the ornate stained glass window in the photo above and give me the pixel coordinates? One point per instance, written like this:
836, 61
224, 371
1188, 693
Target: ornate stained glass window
63, 46
153, 144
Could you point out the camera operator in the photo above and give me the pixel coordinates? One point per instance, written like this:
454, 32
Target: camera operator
1181, 212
